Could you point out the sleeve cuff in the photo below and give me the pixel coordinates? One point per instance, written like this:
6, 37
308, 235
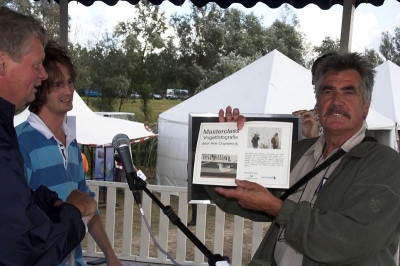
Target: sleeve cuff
286, 212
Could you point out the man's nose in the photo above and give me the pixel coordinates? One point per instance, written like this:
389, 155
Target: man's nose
337, 98
43, 73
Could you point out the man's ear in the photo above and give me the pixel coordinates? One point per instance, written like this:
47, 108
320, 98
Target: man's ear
3, 60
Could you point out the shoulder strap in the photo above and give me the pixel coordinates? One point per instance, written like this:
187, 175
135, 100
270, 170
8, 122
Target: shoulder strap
318, 169
312, 173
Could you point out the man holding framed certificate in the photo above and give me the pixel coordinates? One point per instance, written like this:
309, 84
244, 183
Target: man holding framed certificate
343, 204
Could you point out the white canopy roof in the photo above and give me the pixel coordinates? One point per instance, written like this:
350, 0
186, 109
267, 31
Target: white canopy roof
96, 130
274, 84
386, 94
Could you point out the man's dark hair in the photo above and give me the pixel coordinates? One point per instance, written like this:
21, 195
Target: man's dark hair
55, 54
348, 61
319, 61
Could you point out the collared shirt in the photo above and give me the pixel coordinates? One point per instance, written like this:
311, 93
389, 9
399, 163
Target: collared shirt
320, 128
38, 124
284, 254
48, 162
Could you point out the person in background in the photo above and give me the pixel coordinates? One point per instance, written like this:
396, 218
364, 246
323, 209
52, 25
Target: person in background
275, 141
46, 135
194, 215
85, 163
36, 227
254, 140
349, 212
118, 168
311, 127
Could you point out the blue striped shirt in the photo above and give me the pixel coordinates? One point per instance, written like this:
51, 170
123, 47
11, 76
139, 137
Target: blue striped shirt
48, 162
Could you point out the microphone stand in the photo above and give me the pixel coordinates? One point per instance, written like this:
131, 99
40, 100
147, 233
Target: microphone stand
136, 184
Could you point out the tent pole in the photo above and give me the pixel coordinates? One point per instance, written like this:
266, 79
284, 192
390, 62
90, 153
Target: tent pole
63, 24
347, 26
148, 158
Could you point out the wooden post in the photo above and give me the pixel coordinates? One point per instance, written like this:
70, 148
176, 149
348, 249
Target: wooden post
347, 26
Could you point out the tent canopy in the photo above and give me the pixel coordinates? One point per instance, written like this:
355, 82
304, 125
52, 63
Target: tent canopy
274, 84
260, 87
386, 94
96, 130
347, 18
323, 4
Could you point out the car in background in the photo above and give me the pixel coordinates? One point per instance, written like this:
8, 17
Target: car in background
119, 115
134, 94
93, 92
176, 94
120, 94
155, 96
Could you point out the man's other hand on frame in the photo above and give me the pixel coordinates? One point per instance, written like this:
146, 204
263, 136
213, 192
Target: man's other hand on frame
309, 123
231, 116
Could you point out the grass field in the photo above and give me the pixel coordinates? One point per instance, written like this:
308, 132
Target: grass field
134, 106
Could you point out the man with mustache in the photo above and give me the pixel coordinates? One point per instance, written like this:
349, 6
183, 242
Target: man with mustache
349, 212
36, 227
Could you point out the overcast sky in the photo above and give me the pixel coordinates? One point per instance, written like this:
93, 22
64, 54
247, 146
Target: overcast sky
369, 21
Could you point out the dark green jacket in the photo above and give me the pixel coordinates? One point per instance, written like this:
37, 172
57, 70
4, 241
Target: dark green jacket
354, 221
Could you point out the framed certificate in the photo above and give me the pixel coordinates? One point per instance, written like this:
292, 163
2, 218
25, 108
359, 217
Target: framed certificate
232, 158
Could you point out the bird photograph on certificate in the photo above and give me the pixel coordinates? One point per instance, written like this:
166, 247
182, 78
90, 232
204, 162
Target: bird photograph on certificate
259, 152
218, 166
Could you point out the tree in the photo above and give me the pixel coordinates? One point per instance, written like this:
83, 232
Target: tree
288, 16
46, 11
82, 62
285, 36
163, 68
49, 13
373, 57
142, 39
329, 45
244, 35
22, 6
225, 67
390, 46
209, 34
287, 40
200, 40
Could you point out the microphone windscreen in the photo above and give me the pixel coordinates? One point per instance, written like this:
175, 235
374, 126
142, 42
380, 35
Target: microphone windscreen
120, 139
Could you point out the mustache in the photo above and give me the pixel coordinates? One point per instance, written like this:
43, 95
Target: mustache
337, 110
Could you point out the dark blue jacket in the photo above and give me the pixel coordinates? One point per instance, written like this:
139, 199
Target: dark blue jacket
32, 230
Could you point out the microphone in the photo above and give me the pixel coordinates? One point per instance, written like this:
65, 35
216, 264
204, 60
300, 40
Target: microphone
122, 143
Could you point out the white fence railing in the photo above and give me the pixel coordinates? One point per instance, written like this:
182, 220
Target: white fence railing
222, 233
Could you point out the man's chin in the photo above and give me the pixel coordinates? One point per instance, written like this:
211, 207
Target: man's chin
334, 125
30, 100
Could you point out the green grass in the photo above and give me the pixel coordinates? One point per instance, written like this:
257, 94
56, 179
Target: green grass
134, 106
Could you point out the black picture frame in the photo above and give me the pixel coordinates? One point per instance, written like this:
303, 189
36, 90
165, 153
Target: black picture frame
197, 193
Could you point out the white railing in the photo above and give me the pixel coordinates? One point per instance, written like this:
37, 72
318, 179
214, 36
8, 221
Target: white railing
237, 237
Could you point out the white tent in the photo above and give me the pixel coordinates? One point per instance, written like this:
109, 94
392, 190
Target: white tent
96, 130
274, 84
386, 94
382, 127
